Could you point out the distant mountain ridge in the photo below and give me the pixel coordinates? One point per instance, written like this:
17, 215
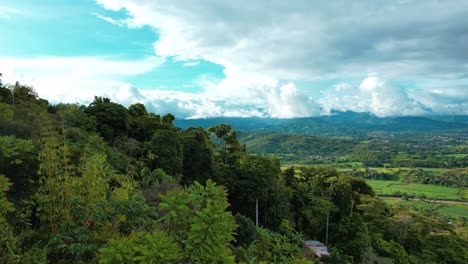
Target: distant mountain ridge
338, 124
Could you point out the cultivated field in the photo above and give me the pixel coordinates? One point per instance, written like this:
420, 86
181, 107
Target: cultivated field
398, 188
451, 210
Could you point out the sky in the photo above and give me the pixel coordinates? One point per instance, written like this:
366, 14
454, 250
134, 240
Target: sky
263, 58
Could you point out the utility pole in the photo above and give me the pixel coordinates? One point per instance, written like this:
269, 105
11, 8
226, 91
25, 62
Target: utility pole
328, 221
256, 212
328, 213
266, 199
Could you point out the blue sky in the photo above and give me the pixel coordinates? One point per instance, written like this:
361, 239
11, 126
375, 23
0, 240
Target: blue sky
271, 58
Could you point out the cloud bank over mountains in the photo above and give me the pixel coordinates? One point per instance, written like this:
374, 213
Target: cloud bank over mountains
281, 59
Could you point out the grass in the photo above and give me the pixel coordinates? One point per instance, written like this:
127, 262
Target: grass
417, 189
454, 210
451, 210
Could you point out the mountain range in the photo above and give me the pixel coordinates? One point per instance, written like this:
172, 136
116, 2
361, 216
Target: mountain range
340, 124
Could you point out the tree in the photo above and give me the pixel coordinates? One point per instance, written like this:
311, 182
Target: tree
142, 125
8, 242
167, 148
351, 236
18, 162
228, 136
246, 232
167, 121
198, 155
141, 247
272, 247
112, 120
197, 218
254, 178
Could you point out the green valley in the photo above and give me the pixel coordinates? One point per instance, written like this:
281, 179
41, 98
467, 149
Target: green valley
105, 183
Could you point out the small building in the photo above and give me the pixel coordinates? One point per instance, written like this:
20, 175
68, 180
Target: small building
317, 247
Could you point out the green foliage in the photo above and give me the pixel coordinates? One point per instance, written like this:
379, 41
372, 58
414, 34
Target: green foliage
119, 250
422, 237
35, 255
141, 247
296, 147
311, 199
74, 116
198, 220
167, 148
24, 116
390, 249
167, 121
352, 236
147, 178
254, 177
246, 231
397, 188
375, 213
272, 248
198, 155
8, 242
112, 120
18, 163
230, 144
92, 224
142, 124
453, 250
77, 174
54, 187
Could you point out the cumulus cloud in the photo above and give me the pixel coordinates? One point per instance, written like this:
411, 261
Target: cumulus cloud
73, 79
287, 101
265, 44
444, 100
373, 95
269, 49
295, 39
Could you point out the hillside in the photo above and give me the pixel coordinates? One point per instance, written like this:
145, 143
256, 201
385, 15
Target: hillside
294, 147
103, 183
339, 124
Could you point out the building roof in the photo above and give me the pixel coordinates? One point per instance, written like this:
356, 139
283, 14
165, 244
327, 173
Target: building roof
318, 248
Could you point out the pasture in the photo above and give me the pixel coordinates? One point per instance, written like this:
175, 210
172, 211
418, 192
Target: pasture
397, 188
451, 210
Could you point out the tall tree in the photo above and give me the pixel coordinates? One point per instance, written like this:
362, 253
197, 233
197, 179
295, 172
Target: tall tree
18, 162
198, 220
112, 120
198, 155
166, 146
142, 124
230, 143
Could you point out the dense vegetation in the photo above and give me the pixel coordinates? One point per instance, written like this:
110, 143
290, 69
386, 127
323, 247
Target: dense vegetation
385, 150
107, 184
341, 124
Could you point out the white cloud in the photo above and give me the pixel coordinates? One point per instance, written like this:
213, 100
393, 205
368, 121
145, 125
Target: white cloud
444, 99
304, 39
264, 44
268, 49
116, 22
191, 63
375, 96
72, 79
8, 12
287, 101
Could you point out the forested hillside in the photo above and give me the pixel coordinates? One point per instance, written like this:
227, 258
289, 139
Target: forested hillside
103, 183
341, 124
428, 150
